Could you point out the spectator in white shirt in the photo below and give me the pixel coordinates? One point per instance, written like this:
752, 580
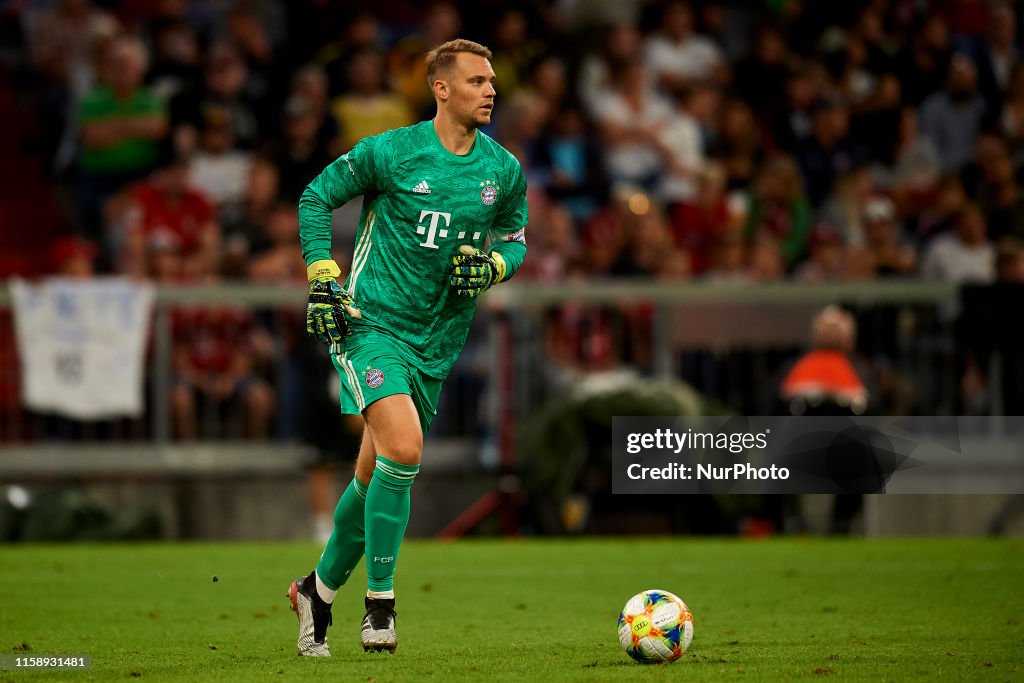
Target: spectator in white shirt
218, 167
677, 55
683, 147
632, 120
963, 256
595, 80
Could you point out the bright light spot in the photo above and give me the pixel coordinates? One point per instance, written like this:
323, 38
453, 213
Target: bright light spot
639, 204
18, 496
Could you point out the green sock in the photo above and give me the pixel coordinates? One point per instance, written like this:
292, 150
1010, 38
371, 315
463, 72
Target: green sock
387, 515
348, 539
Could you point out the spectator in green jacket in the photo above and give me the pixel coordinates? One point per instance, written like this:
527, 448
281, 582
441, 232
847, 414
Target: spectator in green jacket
121, 124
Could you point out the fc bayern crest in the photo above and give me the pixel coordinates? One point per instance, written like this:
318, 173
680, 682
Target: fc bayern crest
374, 378
489, 193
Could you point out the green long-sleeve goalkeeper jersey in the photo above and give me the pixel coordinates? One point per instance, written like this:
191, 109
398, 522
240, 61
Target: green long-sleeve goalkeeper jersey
420, 203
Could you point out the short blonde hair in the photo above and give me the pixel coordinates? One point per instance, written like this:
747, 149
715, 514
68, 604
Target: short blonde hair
442, 57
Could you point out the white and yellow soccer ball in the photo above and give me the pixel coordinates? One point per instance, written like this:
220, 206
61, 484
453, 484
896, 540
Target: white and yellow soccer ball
655, 627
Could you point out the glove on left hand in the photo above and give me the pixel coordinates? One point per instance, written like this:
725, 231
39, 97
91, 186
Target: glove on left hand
472, 271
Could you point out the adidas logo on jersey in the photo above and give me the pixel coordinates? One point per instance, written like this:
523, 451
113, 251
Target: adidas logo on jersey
421, 188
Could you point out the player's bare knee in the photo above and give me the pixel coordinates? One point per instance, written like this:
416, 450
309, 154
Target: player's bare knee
405, 454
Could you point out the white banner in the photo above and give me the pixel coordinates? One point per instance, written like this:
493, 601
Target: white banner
82, 344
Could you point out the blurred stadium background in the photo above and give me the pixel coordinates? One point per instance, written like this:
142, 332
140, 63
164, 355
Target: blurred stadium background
709, 180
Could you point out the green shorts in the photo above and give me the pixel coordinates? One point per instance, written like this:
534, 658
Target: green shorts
373, 367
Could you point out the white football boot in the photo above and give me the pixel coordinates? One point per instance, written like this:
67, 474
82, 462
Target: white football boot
314, 617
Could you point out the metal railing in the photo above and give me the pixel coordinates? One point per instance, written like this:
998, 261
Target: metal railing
683, 318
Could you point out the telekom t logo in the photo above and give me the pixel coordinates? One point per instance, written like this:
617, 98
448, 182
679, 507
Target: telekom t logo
435, 216
432, 230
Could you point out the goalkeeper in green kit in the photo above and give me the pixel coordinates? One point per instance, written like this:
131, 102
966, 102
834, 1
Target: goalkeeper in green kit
434, 196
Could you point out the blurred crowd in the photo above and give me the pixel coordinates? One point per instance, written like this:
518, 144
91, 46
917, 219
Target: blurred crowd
715, 140
727, 141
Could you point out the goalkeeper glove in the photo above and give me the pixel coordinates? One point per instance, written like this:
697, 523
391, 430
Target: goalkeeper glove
472, 271
329, 306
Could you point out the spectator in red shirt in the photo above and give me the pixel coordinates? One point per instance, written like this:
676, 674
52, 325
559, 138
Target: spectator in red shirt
74, 257
826, 374
825, 261
215, 362
697, 225
165, 209
827, 381
214, 365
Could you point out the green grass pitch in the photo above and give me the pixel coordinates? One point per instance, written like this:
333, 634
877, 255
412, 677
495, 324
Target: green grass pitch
534, 610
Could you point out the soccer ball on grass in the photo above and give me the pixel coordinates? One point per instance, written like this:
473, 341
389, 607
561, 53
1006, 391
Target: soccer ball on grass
655, 626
